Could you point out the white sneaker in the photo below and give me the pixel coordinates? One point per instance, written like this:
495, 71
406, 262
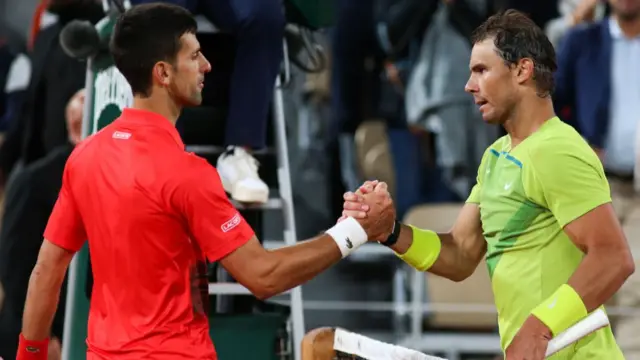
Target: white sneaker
239, 174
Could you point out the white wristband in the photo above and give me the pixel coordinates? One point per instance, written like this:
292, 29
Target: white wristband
349, 235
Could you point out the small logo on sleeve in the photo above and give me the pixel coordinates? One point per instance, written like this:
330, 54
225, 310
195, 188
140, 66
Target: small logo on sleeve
349, 244
233, 222
121, 135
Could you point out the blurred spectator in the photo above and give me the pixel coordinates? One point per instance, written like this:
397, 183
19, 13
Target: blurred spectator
34, 193
258, 27
540, 11
14, 81
41, 19
598, 89
39, 126
353, 45
372, 45
436, 100
572, 13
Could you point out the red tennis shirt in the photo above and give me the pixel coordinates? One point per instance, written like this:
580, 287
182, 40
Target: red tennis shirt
151, 213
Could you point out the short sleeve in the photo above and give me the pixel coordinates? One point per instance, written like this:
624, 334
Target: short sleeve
568, 179
65, 227
213, 222
474, 196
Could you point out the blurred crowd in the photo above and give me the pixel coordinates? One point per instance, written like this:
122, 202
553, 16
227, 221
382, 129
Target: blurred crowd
394, 90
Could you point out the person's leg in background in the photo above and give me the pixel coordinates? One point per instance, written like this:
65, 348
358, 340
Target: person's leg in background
352, 42
258, 26
626, 203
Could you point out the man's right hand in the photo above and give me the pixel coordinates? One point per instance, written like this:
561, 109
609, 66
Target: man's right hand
372, 206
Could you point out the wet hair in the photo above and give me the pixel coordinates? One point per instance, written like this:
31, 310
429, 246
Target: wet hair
516, 37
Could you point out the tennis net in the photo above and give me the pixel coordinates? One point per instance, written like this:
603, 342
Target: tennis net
340, 344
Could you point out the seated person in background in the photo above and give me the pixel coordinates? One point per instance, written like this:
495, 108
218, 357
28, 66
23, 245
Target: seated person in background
258, 26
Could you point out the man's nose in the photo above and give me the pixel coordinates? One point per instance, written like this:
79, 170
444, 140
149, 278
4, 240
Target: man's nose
206, 66
470, 86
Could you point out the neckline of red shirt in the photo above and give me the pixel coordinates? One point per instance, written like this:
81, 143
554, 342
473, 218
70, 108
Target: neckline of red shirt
150, 118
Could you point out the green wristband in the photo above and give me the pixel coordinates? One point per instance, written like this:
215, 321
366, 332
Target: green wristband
561, 310
424, 249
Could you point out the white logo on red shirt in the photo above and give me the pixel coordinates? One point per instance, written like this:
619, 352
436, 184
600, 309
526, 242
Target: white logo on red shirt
121, 135
233, 222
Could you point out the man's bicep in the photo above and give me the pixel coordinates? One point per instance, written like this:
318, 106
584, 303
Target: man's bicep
467, 232
247, 263
598, 228
54, 258
463, 247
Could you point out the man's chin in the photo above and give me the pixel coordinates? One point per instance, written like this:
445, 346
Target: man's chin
487, 118
192, 102
491, 120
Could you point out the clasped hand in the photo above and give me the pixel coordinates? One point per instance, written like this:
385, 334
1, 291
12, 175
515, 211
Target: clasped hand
372, 207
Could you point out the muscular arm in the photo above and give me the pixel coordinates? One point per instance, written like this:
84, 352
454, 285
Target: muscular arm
44, 290
222, 234
608, 261
462, 248
269, 272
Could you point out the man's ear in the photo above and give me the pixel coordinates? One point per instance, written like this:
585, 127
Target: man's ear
162, 72
524, 70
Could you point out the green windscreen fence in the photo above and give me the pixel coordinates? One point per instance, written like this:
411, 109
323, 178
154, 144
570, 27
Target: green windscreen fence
314, 14
108, 93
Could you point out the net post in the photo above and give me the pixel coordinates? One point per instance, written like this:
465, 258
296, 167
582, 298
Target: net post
317, 344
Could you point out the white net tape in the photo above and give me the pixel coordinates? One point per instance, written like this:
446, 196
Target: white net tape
370, 349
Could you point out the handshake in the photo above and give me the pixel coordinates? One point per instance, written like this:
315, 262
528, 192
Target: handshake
371, 206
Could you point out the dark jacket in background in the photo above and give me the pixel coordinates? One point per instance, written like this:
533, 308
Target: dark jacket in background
39, 126
581, 90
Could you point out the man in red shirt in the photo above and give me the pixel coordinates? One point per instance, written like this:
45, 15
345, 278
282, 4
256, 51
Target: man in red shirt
152, 213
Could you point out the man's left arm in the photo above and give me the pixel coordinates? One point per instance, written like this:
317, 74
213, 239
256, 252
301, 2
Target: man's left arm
64, 236
568, 179
574, 187
44, 292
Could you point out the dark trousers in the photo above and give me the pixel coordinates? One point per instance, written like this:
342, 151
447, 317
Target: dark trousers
354, 90
258, 28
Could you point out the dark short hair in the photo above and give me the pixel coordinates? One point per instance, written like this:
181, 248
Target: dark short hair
516, 37
146, 34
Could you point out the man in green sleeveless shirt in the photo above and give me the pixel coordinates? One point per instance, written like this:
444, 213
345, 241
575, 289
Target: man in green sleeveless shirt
540, 213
